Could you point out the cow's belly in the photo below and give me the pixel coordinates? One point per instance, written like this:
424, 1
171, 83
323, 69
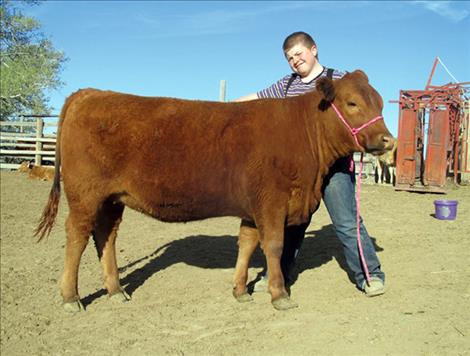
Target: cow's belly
183, 209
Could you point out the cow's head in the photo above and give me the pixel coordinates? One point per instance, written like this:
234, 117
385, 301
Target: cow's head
25, 166
390, 157
353, 98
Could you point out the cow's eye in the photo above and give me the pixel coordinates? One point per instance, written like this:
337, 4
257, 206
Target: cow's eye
350, 103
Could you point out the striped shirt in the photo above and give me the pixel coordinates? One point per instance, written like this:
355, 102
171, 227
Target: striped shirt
297, 87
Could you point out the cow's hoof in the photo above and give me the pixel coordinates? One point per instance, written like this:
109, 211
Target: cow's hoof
245, 297
120, 296
284, 303
73, 307
241, 296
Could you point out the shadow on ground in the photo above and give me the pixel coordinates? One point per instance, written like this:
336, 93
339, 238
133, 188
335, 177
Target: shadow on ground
220, 252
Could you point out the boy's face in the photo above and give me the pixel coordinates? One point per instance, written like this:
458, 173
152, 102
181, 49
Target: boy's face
301, 59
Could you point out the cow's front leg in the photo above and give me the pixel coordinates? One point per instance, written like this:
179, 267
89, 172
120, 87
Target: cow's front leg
272, 244
248, 239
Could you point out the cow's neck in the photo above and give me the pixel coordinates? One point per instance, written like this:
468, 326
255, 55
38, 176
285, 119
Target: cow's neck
329, 139
337, 141
324, 145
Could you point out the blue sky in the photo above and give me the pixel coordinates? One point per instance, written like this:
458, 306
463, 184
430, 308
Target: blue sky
183, 49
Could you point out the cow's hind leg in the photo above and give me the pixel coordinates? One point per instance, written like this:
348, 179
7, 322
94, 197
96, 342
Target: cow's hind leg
248, 239
78, 227
104, 234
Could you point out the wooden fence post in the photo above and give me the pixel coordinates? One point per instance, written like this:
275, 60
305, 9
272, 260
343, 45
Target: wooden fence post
39, 134
222, 90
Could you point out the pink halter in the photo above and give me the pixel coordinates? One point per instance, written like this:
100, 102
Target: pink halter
354, 132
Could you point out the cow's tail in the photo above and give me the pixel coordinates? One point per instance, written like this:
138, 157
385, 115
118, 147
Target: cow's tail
49, 213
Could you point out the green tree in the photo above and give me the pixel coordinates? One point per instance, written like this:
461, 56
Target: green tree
29, 64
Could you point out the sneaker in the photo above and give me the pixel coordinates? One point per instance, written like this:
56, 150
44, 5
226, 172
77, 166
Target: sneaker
261, 286
374, 288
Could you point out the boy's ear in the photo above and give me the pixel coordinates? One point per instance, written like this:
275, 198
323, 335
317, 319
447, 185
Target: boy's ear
314, 50
326, 87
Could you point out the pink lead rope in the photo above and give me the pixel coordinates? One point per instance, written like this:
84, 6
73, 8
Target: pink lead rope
358, 221
354, 132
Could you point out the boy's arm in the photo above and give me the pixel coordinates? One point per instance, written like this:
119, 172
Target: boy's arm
248, 97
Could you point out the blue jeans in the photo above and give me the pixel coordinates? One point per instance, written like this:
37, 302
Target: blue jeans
339, 198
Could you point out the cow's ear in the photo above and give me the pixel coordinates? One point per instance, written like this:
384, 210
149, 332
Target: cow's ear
360, 73
326, 87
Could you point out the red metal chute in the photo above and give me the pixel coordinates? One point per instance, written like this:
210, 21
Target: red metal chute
433, 137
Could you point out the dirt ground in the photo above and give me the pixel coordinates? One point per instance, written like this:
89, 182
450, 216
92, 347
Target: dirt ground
180, 276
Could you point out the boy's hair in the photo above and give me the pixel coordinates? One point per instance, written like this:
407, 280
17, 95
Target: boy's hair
298, 38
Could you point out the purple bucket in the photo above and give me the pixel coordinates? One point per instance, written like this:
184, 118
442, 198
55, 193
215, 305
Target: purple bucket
446, 209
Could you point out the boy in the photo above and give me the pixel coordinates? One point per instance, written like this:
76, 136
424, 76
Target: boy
338, 189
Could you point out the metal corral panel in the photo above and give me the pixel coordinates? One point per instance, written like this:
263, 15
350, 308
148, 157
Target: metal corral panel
465, 149
437, 148
406, 150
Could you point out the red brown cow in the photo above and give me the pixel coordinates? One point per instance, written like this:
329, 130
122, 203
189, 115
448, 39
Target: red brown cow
36, 172
181, 160
385, 165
